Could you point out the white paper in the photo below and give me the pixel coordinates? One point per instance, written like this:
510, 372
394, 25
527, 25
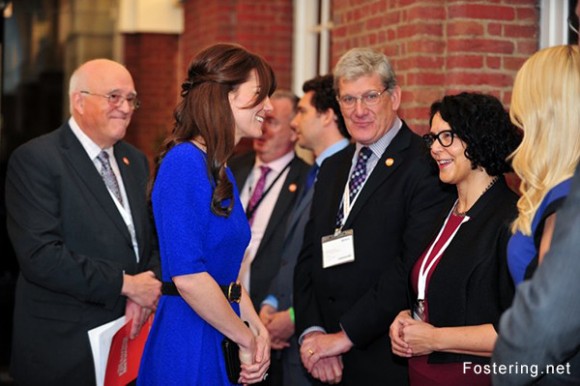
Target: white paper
101, 338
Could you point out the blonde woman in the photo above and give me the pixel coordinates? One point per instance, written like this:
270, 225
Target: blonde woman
546, 105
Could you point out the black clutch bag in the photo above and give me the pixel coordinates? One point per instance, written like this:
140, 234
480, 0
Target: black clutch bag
232, 357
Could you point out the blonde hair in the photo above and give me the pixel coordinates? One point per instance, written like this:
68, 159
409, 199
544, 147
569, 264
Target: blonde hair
545, 104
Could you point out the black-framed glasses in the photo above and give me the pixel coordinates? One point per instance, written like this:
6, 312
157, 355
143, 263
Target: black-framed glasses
116, 100
445, 138
370, 98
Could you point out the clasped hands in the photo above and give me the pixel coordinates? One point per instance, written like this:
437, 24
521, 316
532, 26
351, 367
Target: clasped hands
410, 337
321, 355
279, 325
255, 359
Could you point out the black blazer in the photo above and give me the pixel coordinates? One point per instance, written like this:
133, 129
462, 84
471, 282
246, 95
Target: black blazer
390, 218
72, 246
267, 260
471, 284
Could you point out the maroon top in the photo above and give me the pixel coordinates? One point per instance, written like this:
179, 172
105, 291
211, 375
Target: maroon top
441, 374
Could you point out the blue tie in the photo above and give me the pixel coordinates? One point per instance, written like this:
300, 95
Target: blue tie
311, 178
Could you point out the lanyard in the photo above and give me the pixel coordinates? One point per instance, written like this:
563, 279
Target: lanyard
250, 212
425, 269
346, 204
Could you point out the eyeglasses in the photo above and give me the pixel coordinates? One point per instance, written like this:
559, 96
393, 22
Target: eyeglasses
370, 98
444, 137
572, 28
116, 100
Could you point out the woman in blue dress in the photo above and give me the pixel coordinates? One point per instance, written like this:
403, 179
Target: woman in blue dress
545, 104
203, 231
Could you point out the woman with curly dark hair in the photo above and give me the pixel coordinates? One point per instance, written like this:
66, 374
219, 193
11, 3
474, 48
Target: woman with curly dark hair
460, 285
202, 228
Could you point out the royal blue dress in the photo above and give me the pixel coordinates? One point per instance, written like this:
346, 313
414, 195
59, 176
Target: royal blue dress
522, 249
182, 348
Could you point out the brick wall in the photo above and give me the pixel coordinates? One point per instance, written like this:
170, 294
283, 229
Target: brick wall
152, 59
262, 26
437, 47
440, 47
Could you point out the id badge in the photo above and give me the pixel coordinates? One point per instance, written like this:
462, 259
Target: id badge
419, 310
338, 249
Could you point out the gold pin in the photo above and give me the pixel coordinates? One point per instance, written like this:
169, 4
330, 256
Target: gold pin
126, 161
292, 188
389, 162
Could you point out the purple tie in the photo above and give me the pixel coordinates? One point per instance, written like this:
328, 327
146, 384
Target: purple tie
357, 179
257, 194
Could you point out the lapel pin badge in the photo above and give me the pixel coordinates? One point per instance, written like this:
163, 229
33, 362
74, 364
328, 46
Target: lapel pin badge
126, 161
389, 162
292, 188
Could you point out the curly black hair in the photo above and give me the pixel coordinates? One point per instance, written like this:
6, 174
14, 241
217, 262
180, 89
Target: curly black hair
484, 125
324, 98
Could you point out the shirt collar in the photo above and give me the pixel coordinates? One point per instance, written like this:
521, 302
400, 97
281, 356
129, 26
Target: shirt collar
379, 147
278, 164
332, 149
90, 147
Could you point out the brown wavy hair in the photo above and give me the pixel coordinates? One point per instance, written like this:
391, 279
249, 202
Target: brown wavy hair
205, 110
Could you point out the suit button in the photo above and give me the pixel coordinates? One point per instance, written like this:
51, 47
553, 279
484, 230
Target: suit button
331, 300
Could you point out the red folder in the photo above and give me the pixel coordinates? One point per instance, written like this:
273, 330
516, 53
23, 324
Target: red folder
125, 355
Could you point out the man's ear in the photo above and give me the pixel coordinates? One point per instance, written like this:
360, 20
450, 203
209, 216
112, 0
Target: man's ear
78, 102
328, 116
395, 96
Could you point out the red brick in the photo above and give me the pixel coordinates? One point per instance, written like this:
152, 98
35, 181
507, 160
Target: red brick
493, 62
481, 11
461, 27
482, 45
465, 61
516, 31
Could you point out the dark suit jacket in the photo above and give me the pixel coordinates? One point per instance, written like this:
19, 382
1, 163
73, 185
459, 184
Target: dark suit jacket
282, 285
390, 218
542, 327
72, 247
267, 260
471, 284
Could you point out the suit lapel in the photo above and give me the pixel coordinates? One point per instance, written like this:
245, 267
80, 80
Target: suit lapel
298, 211
78, 160
382, 171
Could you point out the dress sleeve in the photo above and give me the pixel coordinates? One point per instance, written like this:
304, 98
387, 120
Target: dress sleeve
181, 206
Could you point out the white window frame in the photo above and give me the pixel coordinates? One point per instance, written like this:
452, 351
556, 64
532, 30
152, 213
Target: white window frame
311, 26
553, 22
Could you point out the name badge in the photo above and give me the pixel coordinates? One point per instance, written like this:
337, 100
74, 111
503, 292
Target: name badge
338, 249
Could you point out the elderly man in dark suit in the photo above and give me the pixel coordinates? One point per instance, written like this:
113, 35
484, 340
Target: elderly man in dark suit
372, 208
78, 220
